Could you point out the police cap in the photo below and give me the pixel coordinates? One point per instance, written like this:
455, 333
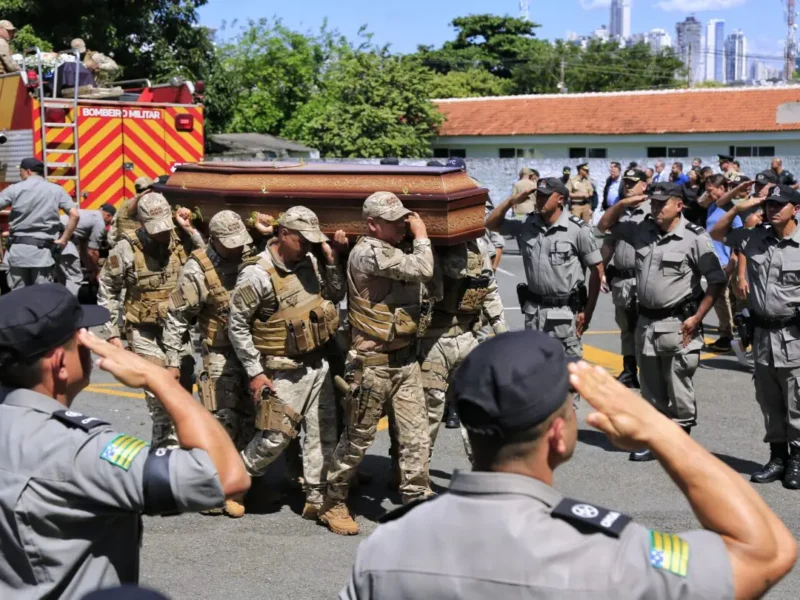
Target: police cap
38, 318
583, 166
499, 386
725, 158
635, 175
457, 161
784, 194
32, 164
766, 177
665, 191
548, 185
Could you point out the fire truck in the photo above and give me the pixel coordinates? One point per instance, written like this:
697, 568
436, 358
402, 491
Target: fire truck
97, 147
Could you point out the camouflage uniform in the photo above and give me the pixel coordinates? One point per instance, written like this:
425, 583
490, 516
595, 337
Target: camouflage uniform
123, 222
465, 287
148, 273
7, 62
204, 286
281, 319
384, 286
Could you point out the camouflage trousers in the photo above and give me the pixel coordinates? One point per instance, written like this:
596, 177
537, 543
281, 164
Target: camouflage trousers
146, 342
399, 388
308, 390
231, 403
439, 358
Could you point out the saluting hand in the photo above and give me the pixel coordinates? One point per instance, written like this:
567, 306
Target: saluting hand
625, 417
126, 367
750, 203
633, 200
417, 226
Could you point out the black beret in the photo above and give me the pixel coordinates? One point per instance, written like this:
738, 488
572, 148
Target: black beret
665, 191
548, 185
32, 164
785, 194
512, 382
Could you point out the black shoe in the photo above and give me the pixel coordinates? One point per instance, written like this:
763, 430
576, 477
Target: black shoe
723, 344
453, 421
687, 429
775, 468
642, 456
791, 478
628, 377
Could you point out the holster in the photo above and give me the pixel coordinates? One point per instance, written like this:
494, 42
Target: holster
274, 415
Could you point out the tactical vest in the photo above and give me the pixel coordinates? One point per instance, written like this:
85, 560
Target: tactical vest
460, 307
388, 320
148, 291
126, 224
304, 320
212, 320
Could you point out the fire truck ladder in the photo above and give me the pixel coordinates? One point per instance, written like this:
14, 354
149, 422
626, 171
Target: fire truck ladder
70, 105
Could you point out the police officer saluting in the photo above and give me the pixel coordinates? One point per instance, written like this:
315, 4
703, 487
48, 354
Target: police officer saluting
672, 254
773, 272
556, 249
72, 489
503, 531
34, 224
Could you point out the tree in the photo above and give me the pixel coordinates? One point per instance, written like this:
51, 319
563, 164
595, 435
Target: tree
371, 104
470, 84
265, 75
156, 39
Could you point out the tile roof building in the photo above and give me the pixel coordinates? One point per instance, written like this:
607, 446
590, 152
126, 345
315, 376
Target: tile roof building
649, 124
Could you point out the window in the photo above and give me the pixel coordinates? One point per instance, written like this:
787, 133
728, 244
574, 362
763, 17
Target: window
745, 151
657, 152
678, 152
597, 152
508, 153
449, 152
577, 152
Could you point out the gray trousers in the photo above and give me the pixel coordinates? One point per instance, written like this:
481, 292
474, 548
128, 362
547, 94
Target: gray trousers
558, 323
667, 383
19, 277
69, 273
778, 395
623, 295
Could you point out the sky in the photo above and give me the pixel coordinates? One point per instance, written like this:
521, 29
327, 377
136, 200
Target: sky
405, 24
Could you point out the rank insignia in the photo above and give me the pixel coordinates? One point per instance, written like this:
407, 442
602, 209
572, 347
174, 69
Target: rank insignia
121, 451
669, 552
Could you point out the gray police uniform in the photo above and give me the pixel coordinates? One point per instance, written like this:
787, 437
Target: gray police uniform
72, 491
90, 231
623, 282
34, 224
668, 271
499, 535
773, 271
555, 259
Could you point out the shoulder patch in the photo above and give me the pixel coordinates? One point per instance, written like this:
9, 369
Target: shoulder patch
113, 261
591, 517
577, 220
79, 420
694, 228
397, 513
245, 296
669, 552
121, 451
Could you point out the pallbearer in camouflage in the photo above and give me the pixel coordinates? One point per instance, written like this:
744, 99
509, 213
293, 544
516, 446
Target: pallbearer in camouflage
126, 220
465, 288
282, 315
384, 292
140, 273
203, 291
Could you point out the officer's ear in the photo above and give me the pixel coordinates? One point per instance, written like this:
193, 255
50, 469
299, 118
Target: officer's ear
796, 209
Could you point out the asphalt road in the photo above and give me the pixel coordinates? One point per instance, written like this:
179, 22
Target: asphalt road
273, 553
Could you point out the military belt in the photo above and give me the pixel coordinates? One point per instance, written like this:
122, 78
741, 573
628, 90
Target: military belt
27, 240
774, 323
396, 359
579, 202
677, 310
613, 272
545, 301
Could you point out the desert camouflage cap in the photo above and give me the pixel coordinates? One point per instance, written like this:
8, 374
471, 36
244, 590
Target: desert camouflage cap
384, 205
7, 25
305, 222
155, 213
78, 44
228, 227
142, 183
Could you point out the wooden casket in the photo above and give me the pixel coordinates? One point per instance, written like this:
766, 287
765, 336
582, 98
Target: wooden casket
448, 200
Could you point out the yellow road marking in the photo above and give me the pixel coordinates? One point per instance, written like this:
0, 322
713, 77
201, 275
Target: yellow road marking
111, 392
601, 332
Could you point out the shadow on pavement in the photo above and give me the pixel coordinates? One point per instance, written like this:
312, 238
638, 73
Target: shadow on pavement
597, 439
724, 363
740, 465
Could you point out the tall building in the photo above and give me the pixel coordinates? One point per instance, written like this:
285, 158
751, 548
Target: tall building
658, 40
620, 19
736, 57
714, 52
690, 48
601, 33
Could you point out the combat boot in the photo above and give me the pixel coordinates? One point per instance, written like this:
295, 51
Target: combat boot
336, 517
642, 456
791, 479
453, 421
629, 377
234, 507
311, 511
775, 468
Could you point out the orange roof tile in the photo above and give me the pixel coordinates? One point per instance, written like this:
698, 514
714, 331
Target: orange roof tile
620, 113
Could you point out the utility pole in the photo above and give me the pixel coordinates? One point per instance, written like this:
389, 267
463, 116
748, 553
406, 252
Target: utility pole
689, 78
524, 13
791, 43
562, 85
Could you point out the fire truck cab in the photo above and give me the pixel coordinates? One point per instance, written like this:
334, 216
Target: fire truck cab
96, 147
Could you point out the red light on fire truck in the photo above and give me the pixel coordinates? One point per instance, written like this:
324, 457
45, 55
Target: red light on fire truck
184, 122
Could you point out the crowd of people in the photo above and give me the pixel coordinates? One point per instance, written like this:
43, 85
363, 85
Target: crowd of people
281, 360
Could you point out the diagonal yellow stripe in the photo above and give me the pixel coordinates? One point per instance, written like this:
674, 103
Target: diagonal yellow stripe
133, 149
130, 453
87, 168
677, 555
89, 143
684, 570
